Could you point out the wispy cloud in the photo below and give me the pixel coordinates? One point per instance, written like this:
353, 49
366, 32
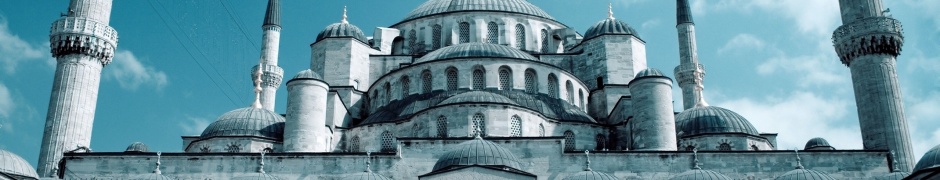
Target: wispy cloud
811, 16
741, 44
14, 50
194, 125
131, 73
6, 101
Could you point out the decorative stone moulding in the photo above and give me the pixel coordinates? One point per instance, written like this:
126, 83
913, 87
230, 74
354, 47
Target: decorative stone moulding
72, 35
272, 75
686, 73
873, 35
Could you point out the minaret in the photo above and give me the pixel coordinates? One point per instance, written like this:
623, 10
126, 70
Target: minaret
271, 39
868, 42
83, 44
689, 73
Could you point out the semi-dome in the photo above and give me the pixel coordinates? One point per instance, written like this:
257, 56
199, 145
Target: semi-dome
700, 174
366, 176
14, 165
342, 30
435, 7
818, 143
610, 26
929, 162
591, 175
477, 152
249, 121
476, 50
804, 174
137, 147
712, 120
478, 97
307, 74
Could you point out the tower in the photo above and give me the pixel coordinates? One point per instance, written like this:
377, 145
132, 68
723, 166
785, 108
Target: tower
83, 44
689, 73
305, 128
654, 122
868, 42
271, 39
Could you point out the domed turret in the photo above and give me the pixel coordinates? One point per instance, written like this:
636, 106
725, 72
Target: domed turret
305, 128
249, 121
137, 147
610, 26
652, 100
477, 152
818, 143
342, 30
14, 165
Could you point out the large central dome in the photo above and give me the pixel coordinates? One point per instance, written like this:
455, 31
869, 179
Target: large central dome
434, 7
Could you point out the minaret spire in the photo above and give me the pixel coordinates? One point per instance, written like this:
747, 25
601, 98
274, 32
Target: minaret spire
689, 73
683, 12
272, 74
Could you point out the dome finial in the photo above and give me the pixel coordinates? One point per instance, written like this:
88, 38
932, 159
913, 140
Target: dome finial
368, 161
258, 73
157, 170
477, 132
587, 164
894, 163
695, 159
799, 163
344, 16
610, 10
261, 167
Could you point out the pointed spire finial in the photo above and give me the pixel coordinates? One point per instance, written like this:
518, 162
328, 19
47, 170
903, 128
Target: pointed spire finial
258, 73
368, 161
344, 16
695, 159
477, 132
261, 167
587, 164
894, 163
799, 163
610, 10
157, 170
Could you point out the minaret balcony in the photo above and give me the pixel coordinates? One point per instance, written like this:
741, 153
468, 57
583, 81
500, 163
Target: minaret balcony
873, 35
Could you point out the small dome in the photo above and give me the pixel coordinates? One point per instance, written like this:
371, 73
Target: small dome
650, 72
804, 174
247, 122
478, 97
591, 175
307, 74
894, 176
477, 152
712, 120
930, 160
337, 30
366, 176
476, 50
256, 176
818, 143
435, 7
151, 176
12, 164
700, 174
609, 27
137, 147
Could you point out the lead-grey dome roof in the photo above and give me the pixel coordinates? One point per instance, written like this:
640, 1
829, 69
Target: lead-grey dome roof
307, 74
366, 176
610, 26
700, 174
476, 50
930, 160
817, 142
478, 97
14, 165
435, 7
137, 147
338, 30
591, 175
477, 152
712, 120
151, 176
256, 176
804, 174
248, 121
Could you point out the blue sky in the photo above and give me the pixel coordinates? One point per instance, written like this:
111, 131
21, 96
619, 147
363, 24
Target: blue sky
180, 64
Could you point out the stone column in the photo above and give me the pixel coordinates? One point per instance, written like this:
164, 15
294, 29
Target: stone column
653, 114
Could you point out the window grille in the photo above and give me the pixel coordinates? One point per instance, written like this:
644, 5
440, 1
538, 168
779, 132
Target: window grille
233, 148
544, 41
413, 42
520, 36
436, 37
541, 130
515, 126
464, 32
505, 79
478, 79
451, 78
724, 147
552, 86
601, 141
569, 141
426, 82
387, 142
478, 125
354, 145
492, 33
405, 87
531, 86
441, 126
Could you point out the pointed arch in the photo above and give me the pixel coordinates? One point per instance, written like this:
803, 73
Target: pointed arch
426, 81
436, 37
388, 142
600, 141
492, 33
354, 144
478, 125
520, 36
505, 78
464, 33
452, 78
545, 48
413, 42
515, 126
441, 126
541, 130
531, 83
569, 140
552, 85
570, 91
581, 99
479, 78
405, 86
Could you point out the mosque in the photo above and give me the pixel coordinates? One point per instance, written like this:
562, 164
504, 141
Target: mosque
479, 89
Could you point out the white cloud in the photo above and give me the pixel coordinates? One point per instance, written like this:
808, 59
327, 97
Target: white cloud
194, 125
811, 16
798, 117
6, 102
131, 73
14, 50
922, 114
742, 43
650, 24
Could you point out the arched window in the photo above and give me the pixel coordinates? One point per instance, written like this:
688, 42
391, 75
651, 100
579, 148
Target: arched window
531, 85
581, 98
724, 147
405, 87
354, 144
388, 92
520, 36
492, 33
600, 140
569, 141
515, 126
426, 86
570, 89
505, 78
552, 86
479, 77
541, 130
441, 126
436, 36
544, 41
388, 144
478, 125
451, 78
413, 42
464, 32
